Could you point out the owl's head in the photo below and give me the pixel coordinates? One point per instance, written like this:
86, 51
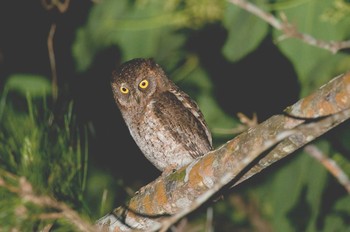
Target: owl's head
136, 82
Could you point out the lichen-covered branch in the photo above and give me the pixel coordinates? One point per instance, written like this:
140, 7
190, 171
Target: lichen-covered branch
331, 99
172, 196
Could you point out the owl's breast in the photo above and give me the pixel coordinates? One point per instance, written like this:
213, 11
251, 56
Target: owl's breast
157, 142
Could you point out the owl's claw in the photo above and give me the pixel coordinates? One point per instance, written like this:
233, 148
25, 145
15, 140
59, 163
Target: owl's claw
169, 170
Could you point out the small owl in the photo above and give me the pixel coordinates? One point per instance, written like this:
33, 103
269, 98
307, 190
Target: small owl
165, 122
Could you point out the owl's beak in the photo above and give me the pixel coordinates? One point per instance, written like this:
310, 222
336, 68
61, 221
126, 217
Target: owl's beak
137, 98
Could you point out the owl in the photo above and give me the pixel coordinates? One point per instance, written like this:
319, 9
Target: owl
165, 122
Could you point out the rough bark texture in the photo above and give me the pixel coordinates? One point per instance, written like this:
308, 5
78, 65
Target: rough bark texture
235, 161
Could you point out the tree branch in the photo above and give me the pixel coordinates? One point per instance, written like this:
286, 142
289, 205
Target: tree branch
172, 196
25, 191
330, 165
288, 29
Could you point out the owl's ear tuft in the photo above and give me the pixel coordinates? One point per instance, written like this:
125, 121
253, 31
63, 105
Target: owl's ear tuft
114, 76
151, 62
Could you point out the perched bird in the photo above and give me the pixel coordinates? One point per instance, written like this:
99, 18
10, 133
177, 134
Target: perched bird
165, 122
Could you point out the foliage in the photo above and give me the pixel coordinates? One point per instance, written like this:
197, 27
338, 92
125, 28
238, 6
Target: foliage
50, 148
51, 155
314, 65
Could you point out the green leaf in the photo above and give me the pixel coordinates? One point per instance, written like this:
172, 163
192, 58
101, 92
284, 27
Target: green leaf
245, 32
137, 30
294, 193
314, 65
34, 85
316, 181
338, 220
285, 191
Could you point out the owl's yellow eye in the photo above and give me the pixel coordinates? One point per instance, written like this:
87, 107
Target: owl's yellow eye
143, 84
124, 90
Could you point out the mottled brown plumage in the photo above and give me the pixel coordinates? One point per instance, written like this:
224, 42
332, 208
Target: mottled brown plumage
165, 122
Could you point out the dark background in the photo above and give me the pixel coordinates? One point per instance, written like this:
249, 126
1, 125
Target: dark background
24, 28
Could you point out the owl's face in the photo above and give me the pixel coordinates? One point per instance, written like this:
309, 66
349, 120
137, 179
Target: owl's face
133, 88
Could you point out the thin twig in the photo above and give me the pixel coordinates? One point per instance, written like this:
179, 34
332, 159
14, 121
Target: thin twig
246, 123
249, 122
25, 191
52, 60
210, 219
229, 131
47, 228
61, 6
288, 29
251, 209
49, 216
330, 165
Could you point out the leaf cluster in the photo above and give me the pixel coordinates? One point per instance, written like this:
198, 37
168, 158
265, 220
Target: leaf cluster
51, 155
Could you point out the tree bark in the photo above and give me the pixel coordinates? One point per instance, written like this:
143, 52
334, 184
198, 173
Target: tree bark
171, 196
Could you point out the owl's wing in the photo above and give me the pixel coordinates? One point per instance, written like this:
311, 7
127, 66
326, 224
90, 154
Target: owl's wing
177, 111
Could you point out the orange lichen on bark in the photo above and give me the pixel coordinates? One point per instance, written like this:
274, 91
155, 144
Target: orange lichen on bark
198, 171
347, 79
147, 204
331, 98
133, 206
206, 167
342, 99
232, 144
304, 105
326, 108
160, 196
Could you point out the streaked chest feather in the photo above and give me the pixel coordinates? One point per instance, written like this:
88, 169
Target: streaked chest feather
157, 142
